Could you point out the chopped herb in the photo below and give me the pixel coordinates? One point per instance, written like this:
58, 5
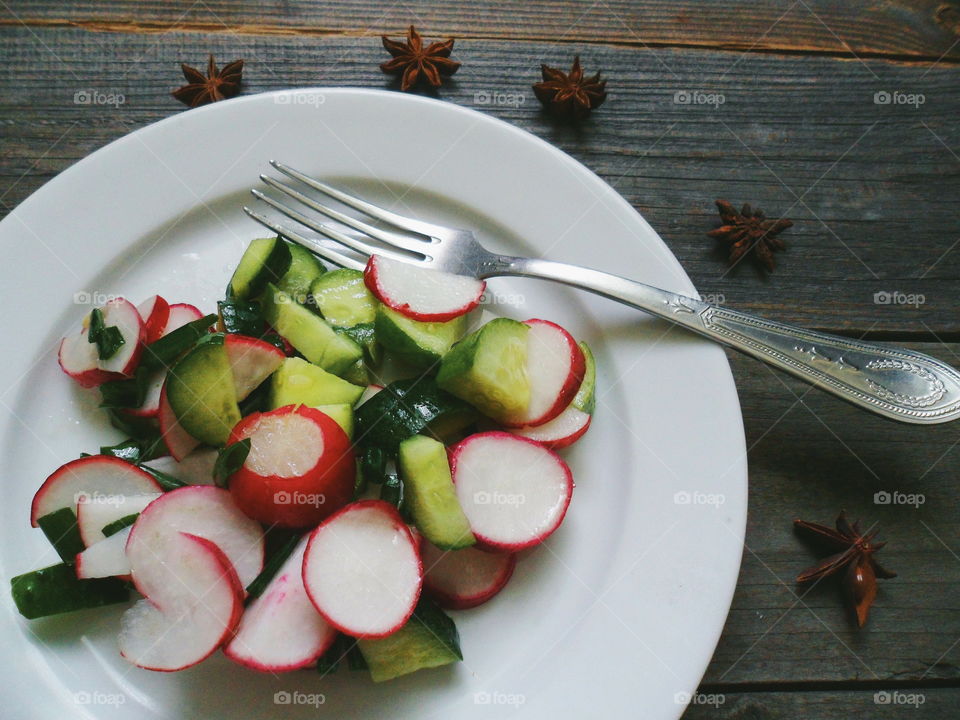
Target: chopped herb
108, 339
165, 480
118, 525
161, 353
272, 567
229, 460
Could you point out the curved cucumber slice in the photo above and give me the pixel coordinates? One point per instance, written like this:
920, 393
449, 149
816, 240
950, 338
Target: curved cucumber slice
343, 298
430, 494
303, 271
585, 400
309, 333
297, 382
429, 639
265, 260
488, 369
421, 344
201, 392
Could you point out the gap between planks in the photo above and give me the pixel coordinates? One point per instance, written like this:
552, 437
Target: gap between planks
153, 28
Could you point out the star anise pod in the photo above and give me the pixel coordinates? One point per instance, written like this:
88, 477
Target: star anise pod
853, 554
570, 95
215, 85
749, 230
416, 63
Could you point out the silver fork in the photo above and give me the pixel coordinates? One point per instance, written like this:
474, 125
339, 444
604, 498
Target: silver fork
894, 382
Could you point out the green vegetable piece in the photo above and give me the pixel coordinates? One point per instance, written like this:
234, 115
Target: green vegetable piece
265, 260
62, 531
229, 460
343, 299
303, 271
108, 339
488, 369
163, 352
585, 400
298, 382
430, 495
272, 567
309, 333
419, 344
56, 589
117, 525
240, 317
429, 639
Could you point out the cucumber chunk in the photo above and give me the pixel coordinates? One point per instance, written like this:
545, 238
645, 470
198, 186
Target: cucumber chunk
408, 407
309, 333
488, 369
585, 400
297, 382
201, 392
265, 260
429, 639
62, 531
420, 344
365, 336
357, 374
341, 414
430, 494
343, 298
303, 271
56, 589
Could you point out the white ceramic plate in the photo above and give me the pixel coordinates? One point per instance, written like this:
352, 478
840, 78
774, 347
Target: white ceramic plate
616, 616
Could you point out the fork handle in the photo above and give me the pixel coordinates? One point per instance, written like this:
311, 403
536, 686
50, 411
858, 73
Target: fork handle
894, 382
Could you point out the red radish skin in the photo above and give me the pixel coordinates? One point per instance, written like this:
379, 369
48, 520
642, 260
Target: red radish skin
179, 442
201, 510
422, 294
555, 366
151, 401
386, 580
180, 314
466, 578
293, 497
155, 312
514, 491
564, 430
92, 476
78, 359
252, 361
281, 630
193, 604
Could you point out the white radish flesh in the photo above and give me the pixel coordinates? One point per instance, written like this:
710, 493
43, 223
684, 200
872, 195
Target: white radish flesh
461, 579
419, 293
106, 558
564, 430
95, 512
195, 469
362, 569
281, 630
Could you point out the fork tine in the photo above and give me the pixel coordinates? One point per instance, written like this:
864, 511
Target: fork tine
417, 246
351, 242
400, 221
313, 246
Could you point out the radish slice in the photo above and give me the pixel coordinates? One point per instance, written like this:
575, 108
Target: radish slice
78, 356
91, 477
461, 579
421, 294
107, 558
252, 361
95, 512
180, 315
78, 359
205, 511
564, 430
194, 601
300, 468
179, 442
195, 469
514, 491
362, 570
155, 312
281, 630
555, 367
124, 316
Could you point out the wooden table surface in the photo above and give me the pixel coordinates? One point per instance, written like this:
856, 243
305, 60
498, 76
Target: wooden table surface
872, 188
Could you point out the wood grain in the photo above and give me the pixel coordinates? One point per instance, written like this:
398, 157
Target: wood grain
810, 456
904, 29
842, 704
870, 187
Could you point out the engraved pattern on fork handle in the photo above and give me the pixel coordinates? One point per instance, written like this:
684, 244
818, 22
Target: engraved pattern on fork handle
897, 383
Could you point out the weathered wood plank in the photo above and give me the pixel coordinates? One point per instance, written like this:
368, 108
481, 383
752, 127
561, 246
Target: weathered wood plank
900, 28
809, 456
871, 703
871, 187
